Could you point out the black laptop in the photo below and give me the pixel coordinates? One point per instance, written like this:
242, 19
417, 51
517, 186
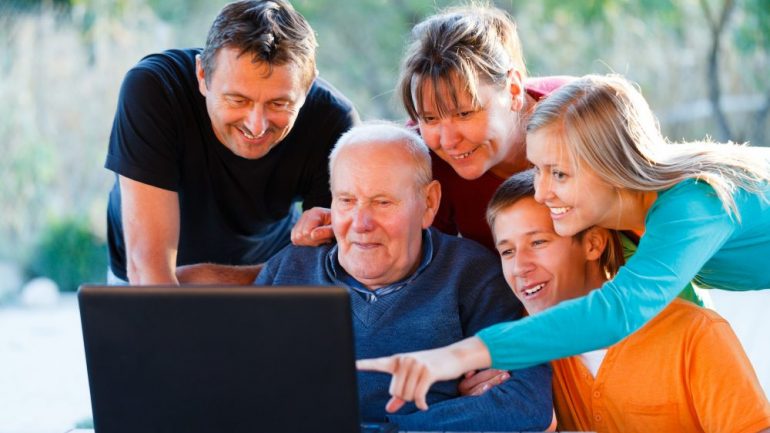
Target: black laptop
221, 359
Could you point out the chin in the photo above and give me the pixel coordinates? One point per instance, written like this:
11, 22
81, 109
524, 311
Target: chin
364, 273
565, 230
536, 308
468, 173
532, 309
253, 152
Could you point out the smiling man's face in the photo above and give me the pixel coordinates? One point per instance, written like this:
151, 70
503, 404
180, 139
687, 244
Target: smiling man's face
541, 267
252, 106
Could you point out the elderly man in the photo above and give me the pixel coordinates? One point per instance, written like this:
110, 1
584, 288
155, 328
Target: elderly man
411, 287
212, 147
683, 371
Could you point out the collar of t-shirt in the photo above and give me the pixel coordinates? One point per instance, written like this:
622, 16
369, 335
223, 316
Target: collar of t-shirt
593, 360
335, 271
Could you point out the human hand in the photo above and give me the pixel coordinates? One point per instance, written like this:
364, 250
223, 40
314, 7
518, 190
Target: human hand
210, 273
478, 382
414, 372
313, 228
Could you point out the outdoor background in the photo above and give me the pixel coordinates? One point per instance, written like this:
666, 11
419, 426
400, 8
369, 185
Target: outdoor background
702, 64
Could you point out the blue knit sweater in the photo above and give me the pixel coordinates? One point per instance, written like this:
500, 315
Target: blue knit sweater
459, 292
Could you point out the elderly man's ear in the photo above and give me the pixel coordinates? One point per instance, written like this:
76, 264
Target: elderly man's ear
432, 201
595, 241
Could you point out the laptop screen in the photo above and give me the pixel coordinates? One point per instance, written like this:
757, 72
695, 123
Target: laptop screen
214, 358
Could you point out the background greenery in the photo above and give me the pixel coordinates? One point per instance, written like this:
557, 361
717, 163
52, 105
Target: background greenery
702, 64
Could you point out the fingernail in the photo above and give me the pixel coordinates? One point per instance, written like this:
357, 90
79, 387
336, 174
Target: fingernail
485, 387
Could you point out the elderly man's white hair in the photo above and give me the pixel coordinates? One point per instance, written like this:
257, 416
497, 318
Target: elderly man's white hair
380, 131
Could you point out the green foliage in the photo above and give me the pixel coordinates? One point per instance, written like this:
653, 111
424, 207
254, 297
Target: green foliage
586, 12
754, 31
86, 423
606, 12
175, 11
31, 5
70, 254
364, 64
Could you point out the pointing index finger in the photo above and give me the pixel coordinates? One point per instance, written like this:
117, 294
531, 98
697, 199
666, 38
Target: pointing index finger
385, 365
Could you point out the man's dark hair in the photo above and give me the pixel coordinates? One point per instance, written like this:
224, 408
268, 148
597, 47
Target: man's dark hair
270, 31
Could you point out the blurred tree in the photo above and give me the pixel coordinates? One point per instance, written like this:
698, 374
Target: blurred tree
32, 5
70, 254
751, 34
717, 17
360, 47
175, 11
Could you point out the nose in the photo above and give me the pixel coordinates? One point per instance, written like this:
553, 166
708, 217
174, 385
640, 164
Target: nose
542, 187
362, 220
448, 136
256, 121
522, 264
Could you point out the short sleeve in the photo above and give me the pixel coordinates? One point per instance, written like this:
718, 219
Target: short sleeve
143, 142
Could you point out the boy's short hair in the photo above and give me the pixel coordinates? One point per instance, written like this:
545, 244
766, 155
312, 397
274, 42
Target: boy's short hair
522, 185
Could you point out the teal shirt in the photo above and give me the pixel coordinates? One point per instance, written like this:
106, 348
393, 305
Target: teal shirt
688, 237
688, 293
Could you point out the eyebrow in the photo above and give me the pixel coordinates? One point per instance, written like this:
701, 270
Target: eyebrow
549, 164
372, 197
529, 233
236, 94
286, 98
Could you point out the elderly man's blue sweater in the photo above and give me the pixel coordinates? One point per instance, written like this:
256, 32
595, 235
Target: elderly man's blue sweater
460, 292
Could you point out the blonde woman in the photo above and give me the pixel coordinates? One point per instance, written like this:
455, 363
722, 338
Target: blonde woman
600, 159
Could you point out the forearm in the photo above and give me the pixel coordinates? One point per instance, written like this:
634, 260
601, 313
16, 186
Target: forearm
469, 354
151, 232
673, 250
600, 319
148, 269
521, 404
569, 328
152, 279
210, 273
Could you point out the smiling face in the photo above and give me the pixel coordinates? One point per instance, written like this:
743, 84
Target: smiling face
251, 107
475, 139
540, 266
576, 196
379, 212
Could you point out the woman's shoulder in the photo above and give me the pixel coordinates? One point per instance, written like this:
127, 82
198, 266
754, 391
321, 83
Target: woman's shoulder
689, 186
541, 87
685, 196
691, 206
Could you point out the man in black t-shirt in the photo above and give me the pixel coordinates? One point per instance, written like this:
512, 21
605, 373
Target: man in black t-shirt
212, 148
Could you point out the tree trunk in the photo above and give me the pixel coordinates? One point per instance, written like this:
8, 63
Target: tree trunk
759, 135
717, 25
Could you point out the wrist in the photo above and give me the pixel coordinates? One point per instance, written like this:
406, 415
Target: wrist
471, 354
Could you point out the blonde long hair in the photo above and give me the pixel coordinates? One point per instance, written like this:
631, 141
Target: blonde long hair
607, 124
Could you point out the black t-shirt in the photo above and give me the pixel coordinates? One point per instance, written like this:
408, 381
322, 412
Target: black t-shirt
232, 210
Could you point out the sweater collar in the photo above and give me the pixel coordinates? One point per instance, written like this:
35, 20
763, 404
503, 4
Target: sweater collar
340, 277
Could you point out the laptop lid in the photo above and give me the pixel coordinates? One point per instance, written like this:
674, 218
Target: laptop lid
213, 358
